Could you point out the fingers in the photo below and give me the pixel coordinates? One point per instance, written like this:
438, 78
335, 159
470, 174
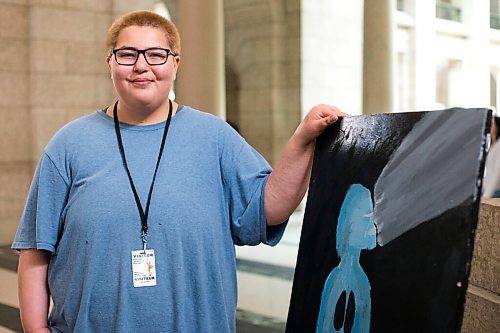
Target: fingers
331, 119
317, 120
324, 110
337, 112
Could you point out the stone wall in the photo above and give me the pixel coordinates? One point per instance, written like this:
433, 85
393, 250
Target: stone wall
482, 307
68, 73
52, 70
262, 46
15, 123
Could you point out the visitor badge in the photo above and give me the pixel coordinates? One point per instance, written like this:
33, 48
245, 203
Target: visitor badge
144, 268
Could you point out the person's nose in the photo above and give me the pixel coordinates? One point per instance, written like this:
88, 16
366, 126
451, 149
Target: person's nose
141, 64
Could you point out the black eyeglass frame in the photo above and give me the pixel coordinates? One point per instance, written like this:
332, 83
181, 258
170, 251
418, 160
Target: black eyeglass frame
143, 52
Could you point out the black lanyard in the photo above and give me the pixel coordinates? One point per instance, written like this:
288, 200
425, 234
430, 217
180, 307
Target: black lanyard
143, 214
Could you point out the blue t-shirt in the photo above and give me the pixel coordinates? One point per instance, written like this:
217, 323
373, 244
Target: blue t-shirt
208, 196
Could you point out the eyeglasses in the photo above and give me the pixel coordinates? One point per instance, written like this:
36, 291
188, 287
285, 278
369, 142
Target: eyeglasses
154, 56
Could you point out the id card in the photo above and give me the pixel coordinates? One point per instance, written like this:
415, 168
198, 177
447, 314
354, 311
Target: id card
144, 268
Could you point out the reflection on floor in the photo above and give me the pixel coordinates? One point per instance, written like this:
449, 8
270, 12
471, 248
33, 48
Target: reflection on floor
265, 277
9, 312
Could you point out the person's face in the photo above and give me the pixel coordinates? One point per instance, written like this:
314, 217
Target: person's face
143, 85
355, 228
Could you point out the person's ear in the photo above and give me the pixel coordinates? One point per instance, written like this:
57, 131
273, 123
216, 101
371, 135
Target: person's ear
177, 62
108, 61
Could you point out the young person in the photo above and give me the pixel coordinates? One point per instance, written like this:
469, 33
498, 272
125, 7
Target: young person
134, 210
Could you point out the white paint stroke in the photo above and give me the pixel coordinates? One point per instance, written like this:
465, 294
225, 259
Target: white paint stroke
433, 170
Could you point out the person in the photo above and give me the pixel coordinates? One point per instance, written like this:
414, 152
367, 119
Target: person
134, 210
492, 169
345, 300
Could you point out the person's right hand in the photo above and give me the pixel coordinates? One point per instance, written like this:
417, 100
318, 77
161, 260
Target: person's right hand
316, 121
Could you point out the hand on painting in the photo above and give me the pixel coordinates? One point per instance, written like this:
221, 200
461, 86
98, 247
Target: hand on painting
289, 180
316, 121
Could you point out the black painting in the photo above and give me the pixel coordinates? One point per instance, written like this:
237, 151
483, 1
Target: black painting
389, 225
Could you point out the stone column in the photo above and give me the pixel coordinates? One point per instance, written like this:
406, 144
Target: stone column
378, 56
331, 61
422, 57
200, 80
477, 68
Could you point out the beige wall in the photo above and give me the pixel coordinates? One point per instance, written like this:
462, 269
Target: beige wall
262, 42
68, 75
482, 306
15, 122
52, 70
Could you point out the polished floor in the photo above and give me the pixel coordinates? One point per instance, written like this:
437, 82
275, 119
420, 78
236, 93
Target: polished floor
9, 312
265, 277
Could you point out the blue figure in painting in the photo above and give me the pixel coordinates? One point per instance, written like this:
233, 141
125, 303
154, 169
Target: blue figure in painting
345, 301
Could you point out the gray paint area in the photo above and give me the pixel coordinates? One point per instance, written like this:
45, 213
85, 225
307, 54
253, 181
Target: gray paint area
435, 168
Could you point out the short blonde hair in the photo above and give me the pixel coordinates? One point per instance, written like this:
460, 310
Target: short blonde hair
144, 18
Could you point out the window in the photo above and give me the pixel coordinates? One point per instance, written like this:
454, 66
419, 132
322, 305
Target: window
400, 5
448, 10
494, 14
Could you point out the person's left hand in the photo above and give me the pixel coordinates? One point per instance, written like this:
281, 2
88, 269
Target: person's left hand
316, 121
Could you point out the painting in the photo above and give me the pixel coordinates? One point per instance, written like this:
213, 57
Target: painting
388, 229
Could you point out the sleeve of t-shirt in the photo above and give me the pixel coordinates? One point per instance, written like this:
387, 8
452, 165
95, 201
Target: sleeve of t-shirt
41, 219
245, 173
